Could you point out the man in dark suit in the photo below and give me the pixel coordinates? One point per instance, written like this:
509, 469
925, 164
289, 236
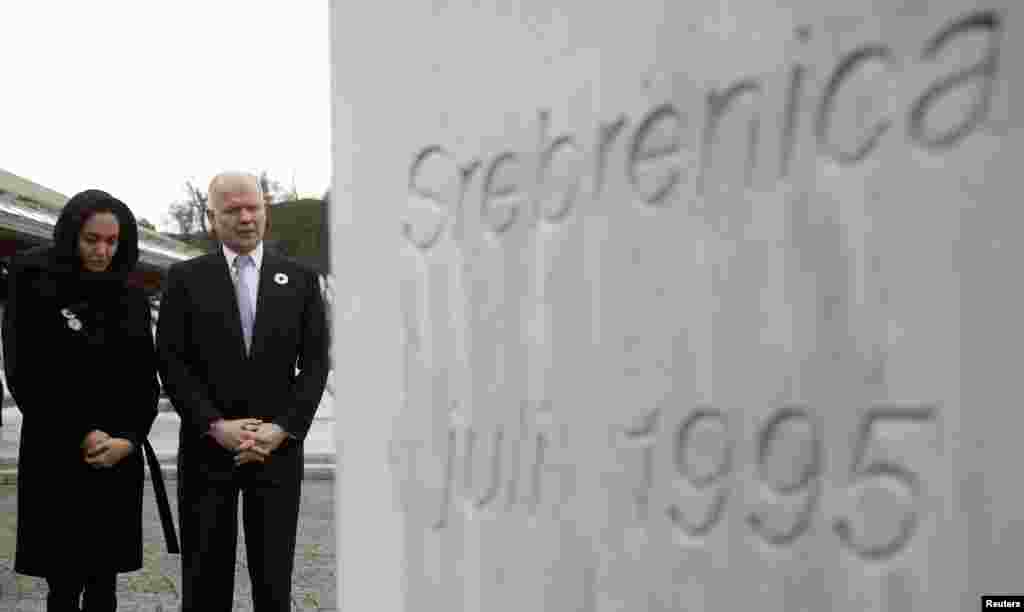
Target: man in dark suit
243, 350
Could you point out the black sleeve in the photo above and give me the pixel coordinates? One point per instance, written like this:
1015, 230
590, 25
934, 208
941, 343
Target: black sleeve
143, 388
12, 320
187, 393
23, 328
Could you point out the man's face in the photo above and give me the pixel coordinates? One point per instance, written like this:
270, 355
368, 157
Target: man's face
240, 221
97, 242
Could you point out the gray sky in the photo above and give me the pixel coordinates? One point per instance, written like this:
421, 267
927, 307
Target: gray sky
137, 97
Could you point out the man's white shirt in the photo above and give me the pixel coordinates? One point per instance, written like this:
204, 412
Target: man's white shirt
257, 257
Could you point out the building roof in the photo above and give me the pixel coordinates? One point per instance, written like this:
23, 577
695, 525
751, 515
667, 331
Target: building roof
32, 209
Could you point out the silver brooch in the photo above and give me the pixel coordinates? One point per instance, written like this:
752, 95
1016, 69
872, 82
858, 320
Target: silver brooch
72, 319
281, 278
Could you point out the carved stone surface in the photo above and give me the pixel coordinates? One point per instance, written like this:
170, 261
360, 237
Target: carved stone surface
705, 305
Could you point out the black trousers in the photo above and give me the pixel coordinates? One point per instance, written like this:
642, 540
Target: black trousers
208, 507
96, 593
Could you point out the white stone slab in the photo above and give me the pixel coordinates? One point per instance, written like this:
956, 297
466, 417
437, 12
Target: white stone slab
746, 270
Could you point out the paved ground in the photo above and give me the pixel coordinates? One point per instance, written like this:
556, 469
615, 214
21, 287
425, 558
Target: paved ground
156, 587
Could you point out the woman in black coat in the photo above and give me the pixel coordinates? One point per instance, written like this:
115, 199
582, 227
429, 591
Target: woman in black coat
81, 367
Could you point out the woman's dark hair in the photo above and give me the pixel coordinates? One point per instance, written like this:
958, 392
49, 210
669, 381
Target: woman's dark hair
74, 216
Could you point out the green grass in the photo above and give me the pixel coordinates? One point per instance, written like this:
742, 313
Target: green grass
311, 552
151, 578
8, 537
8, 526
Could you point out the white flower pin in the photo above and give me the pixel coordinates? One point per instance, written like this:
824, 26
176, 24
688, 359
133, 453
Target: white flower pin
67, 313
281, 278
75, 324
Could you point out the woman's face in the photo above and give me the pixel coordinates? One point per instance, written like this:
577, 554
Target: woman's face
97, 242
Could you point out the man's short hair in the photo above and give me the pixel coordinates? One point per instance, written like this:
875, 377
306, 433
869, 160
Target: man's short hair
232, 182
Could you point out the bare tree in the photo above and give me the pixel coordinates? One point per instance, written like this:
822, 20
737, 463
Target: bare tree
183, 216
294, 193
198, 201
189, 216
275, 189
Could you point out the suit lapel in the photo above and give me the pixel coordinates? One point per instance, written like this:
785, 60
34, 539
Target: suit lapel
223, 293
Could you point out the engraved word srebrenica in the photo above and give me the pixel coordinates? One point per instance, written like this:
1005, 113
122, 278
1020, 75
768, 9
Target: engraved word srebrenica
511, 185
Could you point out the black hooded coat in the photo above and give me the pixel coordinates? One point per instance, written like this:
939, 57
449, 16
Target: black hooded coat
79, 356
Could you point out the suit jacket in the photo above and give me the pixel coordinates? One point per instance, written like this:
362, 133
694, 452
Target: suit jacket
202, 357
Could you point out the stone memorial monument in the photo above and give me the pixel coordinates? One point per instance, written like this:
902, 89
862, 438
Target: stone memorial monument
705, 305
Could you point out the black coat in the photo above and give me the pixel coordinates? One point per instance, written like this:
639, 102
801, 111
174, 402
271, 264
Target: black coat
68, 382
